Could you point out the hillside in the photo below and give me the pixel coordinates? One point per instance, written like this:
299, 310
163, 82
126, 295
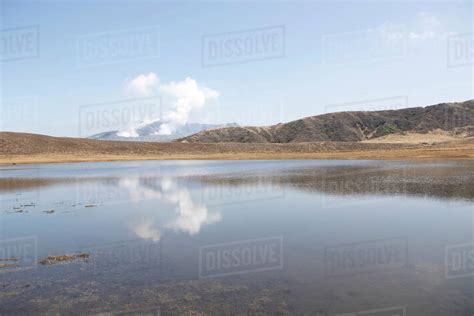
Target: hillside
443, 131
455, 118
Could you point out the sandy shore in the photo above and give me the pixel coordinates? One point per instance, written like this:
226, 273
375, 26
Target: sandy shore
18, 148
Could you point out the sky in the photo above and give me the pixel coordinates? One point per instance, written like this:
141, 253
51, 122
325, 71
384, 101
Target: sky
76, 68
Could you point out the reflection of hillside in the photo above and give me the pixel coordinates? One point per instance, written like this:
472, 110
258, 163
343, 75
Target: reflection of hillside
447, 181
431, 180
17, 184
190, 216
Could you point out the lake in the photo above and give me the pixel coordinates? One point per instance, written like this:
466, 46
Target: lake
238, 237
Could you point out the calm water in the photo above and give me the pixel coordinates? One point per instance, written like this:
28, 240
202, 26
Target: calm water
243, 237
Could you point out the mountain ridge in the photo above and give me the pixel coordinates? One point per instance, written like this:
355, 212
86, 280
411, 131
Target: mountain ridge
352, 126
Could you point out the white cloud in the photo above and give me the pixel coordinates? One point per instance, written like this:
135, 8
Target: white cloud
428, 26
188, 95
425, 27
143, 85
131, 129
390, 33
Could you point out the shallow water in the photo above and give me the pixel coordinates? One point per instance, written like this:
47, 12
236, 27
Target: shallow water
239, 237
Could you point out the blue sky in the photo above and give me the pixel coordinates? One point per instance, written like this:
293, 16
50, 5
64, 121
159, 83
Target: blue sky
336, 56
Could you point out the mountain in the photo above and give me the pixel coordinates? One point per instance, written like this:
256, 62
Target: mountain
147, 132
455, 118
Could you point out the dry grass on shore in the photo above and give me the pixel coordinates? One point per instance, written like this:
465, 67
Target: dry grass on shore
23, 148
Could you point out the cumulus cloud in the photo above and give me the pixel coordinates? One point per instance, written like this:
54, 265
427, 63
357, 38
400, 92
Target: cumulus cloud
188, 96
143, 85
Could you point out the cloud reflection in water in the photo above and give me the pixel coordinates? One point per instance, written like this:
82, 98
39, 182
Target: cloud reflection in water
189, 216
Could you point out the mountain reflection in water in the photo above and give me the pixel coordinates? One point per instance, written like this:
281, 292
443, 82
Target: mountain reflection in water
445, 181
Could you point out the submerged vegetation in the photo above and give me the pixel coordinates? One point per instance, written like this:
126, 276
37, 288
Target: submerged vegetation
49, 260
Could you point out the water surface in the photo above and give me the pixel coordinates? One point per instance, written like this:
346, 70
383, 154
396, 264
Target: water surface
245, 237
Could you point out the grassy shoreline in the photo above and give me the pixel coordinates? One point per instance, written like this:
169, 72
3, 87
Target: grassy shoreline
21, 148
404, 154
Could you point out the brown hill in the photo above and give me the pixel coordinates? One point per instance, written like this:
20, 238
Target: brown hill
354, 126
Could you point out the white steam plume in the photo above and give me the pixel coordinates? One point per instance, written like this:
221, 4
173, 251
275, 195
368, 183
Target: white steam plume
188, 97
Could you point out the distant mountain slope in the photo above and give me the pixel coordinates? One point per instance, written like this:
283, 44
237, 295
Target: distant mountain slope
348, 126
149, 132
